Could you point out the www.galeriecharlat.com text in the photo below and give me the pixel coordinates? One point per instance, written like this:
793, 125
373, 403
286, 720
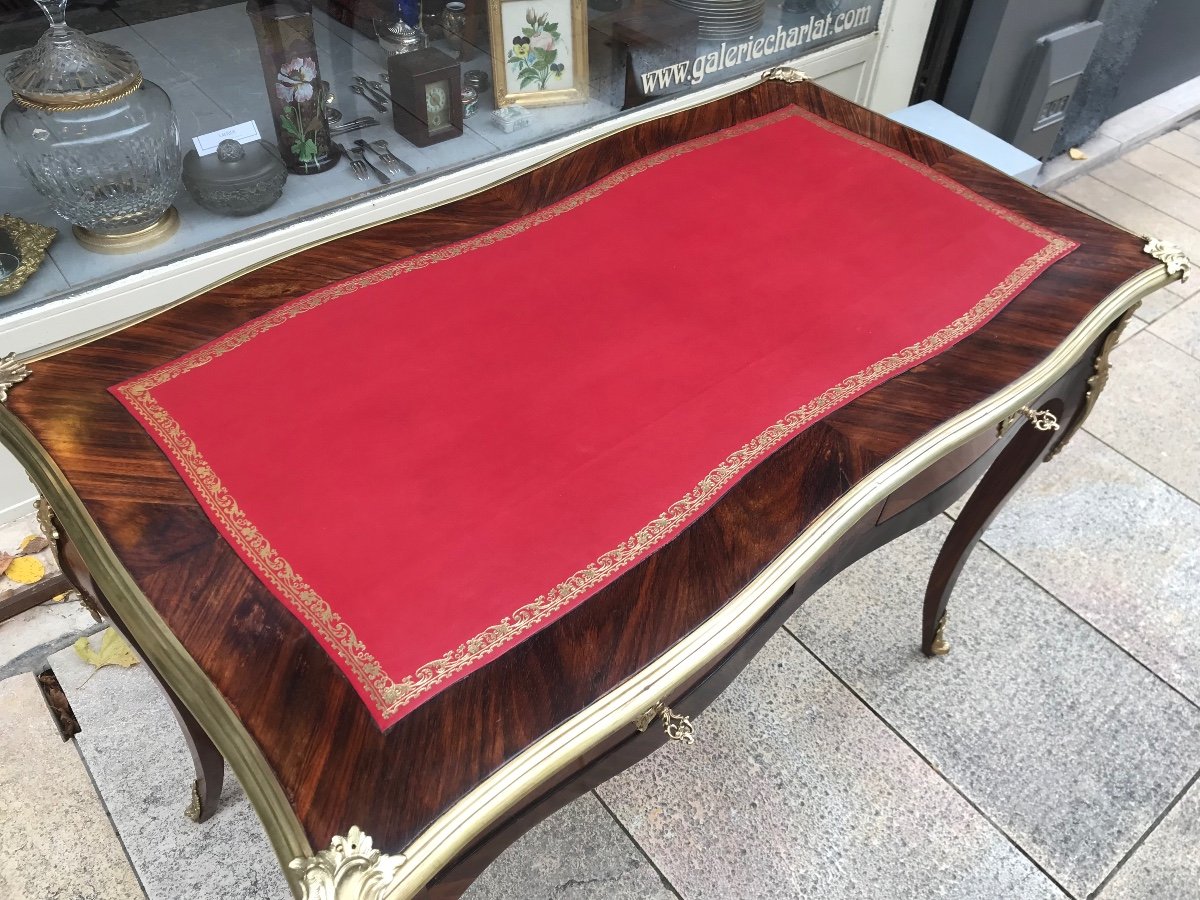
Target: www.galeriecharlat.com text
693, 72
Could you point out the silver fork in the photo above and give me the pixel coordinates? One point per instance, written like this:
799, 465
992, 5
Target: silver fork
357, 155
357, 165
380, 146
389, 162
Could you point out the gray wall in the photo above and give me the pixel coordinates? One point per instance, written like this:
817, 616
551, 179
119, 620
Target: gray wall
1167, 55
995, 50
1147, 46
1096, 97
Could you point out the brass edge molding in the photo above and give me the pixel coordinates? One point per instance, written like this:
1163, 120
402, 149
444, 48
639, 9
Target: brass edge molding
483, 807
1170, 255
160, 646
695, 101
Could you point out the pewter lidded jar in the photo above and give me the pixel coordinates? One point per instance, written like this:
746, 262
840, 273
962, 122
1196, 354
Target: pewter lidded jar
97, 140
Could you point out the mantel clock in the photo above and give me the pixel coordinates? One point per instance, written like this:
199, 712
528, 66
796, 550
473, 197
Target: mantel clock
426, 90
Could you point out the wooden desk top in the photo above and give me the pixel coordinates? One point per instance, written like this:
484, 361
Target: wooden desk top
477, 755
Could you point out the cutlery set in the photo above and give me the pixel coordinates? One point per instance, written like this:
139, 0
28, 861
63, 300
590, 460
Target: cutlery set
361, 166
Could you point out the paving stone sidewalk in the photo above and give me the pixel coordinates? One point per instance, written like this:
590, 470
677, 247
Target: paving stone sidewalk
1055, 753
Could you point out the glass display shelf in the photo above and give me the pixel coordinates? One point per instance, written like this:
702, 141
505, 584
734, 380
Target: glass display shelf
208, 63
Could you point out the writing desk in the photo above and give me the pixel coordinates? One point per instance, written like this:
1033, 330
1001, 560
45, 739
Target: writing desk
356, 808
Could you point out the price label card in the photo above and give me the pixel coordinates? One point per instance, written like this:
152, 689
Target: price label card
245, 133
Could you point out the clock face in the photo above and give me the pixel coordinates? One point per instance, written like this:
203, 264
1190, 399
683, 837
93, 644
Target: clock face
437, 105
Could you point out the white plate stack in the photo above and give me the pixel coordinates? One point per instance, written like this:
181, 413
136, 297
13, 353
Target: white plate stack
722, 20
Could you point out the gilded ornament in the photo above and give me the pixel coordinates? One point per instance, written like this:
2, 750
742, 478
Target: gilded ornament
1170, 255
643, 721
677, 727
940, 646
1095, 384
786, 74
49, 528
351, 869
195, 804
12, 371
45, 520
30, 240
1042, 419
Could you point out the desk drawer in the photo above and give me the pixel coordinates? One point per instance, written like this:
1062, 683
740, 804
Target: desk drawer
939, 473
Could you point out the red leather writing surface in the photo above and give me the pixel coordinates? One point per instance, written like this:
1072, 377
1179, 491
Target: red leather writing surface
533, 411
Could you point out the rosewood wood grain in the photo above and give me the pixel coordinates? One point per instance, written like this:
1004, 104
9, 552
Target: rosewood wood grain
335, 764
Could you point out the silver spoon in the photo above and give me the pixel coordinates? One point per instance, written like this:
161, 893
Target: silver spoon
373, 87
358, 89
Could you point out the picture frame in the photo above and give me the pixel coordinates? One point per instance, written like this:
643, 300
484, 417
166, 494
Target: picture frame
539, 51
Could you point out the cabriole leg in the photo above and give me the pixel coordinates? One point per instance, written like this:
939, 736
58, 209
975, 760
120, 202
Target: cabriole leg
209, 764
1014, 464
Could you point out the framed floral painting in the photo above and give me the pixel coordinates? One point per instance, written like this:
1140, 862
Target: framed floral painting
539, 51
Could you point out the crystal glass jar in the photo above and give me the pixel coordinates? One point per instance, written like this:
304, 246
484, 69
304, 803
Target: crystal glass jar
98, 141
454, 23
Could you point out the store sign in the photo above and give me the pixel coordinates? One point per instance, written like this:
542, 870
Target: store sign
795, 35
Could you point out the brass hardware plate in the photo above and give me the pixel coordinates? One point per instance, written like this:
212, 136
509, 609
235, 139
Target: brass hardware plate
643, 721
677, 727
1041, 419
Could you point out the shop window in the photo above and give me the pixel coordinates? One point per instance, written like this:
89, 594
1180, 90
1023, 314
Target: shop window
439, 87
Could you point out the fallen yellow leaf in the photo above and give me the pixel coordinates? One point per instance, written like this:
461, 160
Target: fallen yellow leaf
26, 570
1076, 153
113, 651
34, 543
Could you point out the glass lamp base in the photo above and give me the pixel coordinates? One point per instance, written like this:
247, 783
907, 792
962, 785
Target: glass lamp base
131, 241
